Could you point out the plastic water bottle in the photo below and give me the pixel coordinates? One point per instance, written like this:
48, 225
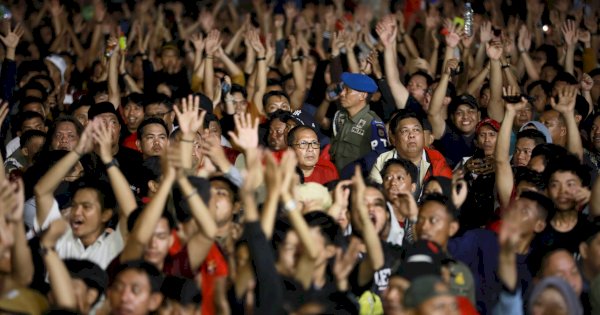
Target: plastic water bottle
468, 17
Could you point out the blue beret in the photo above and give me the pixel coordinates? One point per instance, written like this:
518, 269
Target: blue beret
359, 82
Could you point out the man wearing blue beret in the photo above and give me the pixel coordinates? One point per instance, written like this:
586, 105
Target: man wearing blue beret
359, 134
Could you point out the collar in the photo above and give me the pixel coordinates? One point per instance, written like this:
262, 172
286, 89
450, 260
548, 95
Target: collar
360, 115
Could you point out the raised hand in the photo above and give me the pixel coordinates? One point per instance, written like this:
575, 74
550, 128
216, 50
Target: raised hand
454, 34
288, 165
198, 42
350, 39
254, 40
246, 135
190, 117
387, 30
51, 235
512, 91
213, 42
254, 172
290, 11
407, 204
566, 100
524, 39
570, 32
451, 64
12, 37
211, 148
585, 37
587, 83
459, 189
103, 139
8, 199
15, 214
86, 143
485, 32
345, 263
273, 175
336, 43
373, 60
494, 50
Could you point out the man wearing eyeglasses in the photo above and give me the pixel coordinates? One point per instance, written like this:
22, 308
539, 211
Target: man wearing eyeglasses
359, 134
304, 141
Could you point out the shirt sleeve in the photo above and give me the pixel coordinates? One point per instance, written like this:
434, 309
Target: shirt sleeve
53, 215
509, 303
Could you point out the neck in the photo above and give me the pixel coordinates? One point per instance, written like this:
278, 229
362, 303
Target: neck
385, 233
307, 171
352, 111
564, 221
90, 239
524, 244
223, 231
415, 157
588, 271
318, 278
115, 149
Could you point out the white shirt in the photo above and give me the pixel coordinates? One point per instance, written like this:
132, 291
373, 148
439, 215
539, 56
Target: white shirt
101, 252
13, 145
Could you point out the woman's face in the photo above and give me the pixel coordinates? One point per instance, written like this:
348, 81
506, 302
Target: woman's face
433, 187
550, 302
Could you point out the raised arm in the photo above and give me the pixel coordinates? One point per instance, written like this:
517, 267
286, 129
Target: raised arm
273, 177
20, 254
523, 45
434, 114
496, 104
118, 182
297, 97
11, 40
261, 74
387, 30
566, 107
505, 183
570, 34
60, 279
375, 259
147, 221
213, 42
44, 189
114, 93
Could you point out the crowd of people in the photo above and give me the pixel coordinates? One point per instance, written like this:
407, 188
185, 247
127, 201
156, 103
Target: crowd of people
300, 157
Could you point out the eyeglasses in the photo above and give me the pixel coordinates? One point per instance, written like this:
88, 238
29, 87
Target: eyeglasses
304, 145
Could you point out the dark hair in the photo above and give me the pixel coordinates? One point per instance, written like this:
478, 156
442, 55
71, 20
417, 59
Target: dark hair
550, 51
103, 190
236, 88
280, 114
28, 135
95, 88
537, 136
525, 174
159, 98
135, 215
443, 200
546, 87
564, 77
549, 151
274, 93
183, 290
150, 121
422, 73
155, 277
326, 224
291, 138
136, 98
28, 115
407, 165
401, 115
84, 100
234, 189
568, 163
34, 85
545, 206
29, 100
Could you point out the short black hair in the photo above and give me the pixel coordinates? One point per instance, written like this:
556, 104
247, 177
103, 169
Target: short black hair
545, 206
291, 138
135, 215
234, 189
328, 228
183, 290
280, 114
150, 121
29, 100
274, 93
422, 73
155, 277
549, 151
104, 191
544, 85
84, 100
564, 77
159, 98
28, 115
65, 119
30, 134
236, 88
407, 165
135, 98
525, 174
537, 136
400, 116
443, 200
568, 163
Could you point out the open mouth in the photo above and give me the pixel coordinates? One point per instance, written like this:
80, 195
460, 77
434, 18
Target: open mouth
76, 224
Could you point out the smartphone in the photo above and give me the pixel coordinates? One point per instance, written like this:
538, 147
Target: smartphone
225, 87
334, 91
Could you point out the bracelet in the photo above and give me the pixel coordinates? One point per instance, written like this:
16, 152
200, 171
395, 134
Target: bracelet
505, 66
261, 58
209, 57
299, 58
188, 141
191, 194
45, 250
112, 163
290, 205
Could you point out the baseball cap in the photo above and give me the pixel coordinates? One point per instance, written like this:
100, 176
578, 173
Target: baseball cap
461, 280
182, 290
490, 122
102, 108
359, 82
304, 118
424, 288
464, 99
420, 259
93, 276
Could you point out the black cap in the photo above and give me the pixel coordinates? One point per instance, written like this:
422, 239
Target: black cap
93, 276
420, 259
185, 291
102, 108
464, 99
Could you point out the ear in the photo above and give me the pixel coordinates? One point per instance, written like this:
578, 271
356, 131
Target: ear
363, 95
138, 145
25, 151
429, 140
106, 215
446, 101
155, 301
453, 228
19, 133
563, 130
330, 250
152, 186
413, 187
539, 226
583, 249
90, 296
578, 119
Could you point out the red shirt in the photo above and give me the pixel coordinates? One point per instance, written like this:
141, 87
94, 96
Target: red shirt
325, 171
129, 142
214, 267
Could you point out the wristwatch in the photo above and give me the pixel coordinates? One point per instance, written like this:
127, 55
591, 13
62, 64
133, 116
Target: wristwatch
290, 205
112, 163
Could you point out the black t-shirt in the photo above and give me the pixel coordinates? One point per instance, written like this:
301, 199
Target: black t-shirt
454, 145
392, 255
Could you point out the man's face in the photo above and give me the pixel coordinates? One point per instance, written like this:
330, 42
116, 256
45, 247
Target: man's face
351, 98
394, 295
524, 115
551, 119
221, 202
596, 88
276, 139
84, 296
277, 102
540, 98
396, 180
33, 147
525, 213
595, 134
523, 150
416, 87
153, 140
157, 248
131, 294
308, 157
215, 130
170, 60
33, 124
161, 111
65, 136
562, 189
86, 218
465, 118
81, 114
435, 224
112, 122
376, 207
442, 305
134, 115
561, 264
409, 138
486, 139
484, 98
35, 107
288, 252
239, 104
